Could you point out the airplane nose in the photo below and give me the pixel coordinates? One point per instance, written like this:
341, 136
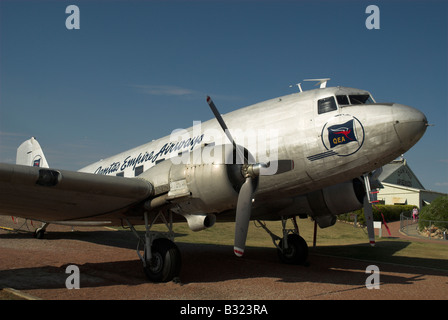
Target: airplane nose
410, 124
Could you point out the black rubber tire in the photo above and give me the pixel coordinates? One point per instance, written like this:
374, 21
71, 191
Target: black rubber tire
39, 234
166, 261
297, 252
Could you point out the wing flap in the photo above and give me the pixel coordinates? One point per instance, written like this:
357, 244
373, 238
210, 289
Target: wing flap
58, 195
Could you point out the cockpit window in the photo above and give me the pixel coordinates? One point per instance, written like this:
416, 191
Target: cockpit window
360, 99
326, 105
354, 99
342, 100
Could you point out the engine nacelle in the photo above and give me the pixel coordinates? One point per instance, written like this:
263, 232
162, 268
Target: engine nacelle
326, 203
199, 187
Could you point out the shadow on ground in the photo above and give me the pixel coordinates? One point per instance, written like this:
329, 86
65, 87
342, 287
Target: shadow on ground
203, 263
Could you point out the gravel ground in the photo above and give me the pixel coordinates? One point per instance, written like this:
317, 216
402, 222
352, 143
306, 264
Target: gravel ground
110, 269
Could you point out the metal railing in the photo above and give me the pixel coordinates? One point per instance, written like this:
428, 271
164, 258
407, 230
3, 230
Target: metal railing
429, 229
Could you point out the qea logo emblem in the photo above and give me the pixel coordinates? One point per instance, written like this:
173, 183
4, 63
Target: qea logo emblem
343, 135
36, 161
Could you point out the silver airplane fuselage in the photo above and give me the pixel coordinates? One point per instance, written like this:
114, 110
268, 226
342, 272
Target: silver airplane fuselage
333, 135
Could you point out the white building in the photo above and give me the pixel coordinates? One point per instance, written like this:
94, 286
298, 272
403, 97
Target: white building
401, 186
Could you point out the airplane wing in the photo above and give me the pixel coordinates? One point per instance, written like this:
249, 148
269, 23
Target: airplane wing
61, 195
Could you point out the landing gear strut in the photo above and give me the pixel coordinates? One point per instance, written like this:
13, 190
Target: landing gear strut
161, 258
291, 248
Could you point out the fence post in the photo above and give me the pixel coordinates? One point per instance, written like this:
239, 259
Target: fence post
401, 221
429, 229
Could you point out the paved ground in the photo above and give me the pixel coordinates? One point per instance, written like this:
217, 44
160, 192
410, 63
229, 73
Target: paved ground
110, 269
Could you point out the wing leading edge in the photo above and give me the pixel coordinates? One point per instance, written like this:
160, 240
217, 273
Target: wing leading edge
61, 195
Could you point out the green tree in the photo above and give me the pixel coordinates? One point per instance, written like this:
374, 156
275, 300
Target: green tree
436, 211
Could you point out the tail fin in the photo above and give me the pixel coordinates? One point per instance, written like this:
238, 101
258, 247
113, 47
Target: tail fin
30, 154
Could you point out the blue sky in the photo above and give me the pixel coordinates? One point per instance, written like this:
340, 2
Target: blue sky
136, 70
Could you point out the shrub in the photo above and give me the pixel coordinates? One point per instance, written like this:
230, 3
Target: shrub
390, 212
436, 211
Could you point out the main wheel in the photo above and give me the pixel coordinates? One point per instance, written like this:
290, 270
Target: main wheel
39, 233
165, 263
297, 251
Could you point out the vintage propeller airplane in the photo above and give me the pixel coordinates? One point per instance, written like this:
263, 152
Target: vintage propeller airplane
313, 153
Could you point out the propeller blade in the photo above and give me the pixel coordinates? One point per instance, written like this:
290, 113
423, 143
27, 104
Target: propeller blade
368, 213
224, 128
252, 171
243, 211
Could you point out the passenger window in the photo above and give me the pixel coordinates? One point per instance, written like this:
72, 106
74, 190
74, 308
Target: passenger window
326, 105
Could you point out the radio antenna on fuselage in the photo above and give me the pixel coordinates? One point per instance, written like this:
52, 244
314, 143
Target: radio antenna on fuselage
298, 85
320, 82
